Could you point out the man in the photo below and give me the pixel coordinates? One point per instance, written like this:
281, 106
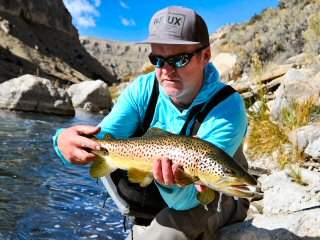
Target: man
180, 53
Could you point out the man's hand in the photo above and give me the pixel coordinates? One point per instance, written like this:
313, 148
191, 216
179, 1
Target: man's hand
163, 171
73, 144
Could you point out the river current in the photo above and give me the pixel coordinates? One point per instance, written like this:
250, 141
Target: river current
40, 198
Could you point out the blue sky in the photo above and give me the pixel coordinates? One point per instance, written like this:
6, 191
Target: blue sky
128, 20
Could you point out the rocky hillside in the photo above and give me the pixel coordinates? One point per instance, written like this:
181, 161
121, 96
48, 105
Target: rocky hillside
119, 58
37, 37
272, 36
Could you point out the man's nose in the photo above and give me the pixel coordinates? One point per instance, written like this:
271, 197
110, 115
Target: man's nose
168, 69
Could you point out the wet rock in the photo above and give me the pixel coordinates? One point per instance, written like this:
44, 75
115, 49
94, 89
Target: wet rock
30, 93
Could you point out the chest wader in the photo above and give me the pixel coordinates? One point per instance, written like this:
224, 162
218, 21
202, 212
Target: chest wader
141, 204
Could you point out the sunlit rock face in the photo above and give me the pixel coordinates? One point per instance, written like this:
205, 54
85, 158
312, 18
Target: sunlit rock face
37, 37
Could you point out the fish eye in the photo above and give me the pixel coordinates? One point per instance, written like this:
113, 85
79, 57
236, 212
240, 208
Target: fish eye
105, 151
228, 171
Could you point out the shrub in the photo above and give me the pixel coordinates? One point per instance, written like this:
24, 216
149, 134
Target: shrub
312, 35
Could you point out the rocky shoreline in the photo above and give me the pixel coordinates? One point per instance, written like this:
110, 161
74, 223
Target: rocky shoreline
288, 210
275, 67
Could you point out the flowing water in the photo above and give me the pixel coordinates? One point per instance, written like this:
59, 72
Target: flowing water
40, 198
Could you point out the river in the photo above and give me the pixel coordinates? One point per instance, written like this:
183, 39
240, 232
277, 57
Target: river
40, 198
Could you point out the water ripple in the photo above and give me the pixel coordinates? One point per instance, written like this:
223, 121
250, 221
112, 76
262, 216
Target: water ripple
40, 198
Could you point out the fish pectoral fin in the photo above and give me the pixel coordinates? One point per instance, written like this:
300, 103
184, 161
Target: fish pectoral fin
182, 178
206, 197
100, 167
138, 176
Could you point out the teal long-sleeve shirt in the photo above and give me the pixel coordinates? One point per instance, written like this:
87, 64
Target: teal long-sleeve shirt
225, 126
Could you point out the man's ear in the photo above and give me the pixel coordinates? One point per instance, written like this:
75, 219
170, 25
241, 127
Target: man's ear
206, 54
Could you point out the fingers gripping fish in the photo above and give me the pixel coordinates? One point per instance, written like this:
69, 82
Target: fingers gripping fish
201, 162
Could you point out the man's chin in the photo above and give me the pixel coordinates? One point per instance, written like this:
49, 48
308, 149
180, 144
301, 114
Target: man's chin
172, 92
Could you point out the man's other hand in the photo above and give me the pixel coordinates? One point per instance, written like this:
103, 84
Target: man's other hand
75, 146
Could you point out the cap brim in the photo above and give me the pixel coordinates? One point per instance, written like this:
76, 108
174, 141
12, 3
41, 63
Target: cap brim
168, 41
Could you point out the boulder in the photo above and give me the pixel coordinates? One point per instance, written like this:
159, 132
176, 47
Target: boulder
276, 72
290, 210
307, 139
31, 93
225, 62
303, 225
91, 95
294, 87
283, 195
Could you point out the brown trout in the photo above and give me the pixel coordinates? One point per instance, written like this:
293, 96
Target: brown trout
201, 162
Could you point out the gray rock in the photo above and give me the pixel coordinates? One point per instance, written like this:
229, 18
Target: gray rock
290, 210
256, 107
225, 62
299, 225
30, 93
294, 87
313, 149
90, 95
307, 139
282, 195
38, 38
119, 58
4, 25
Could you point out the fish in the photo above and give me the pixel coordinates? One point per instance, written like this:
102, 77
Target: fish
201, 162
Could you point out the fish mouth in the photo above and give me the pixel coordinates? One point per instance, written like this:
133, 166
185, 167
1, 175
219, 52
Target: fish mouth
233, 188
240, 187
243, 191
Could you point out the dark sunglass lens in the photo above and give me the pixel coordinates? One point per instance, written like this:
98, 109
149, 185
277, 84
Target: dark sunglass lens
184, 60
179, 60
156, 61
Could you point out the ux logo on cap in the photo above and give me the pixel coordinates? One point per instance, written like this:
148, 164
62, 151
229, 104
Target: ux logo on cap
173, 20
168, 24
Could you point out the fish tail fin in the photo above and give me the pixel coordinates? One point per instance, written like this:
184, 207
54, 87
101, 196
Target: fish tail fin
101, 167
138, 176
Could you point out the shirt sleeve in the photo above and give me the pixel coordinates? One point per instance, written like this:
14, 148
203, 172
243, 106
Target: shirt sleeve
56, 148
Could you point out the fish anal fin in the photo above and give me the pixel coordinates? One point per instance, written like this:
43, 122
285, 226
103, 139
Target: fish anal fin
138, 176
206, 197
182, 178
100, 167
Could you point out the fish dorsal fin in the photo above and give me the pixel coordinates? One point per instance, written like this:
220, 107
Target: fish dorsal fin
108, 136
206, 197
142, 177
156, 132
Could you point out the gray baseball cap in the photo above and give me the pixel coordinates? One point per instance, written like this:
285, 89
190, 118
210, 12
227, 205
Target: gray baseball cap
177, 25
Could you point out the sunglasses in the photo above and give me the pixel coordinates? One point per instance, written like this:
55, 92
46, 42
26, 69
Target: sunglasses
177, 61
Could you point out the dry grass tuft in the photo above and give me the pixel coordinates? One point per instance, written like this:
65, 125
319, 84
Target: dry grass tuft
300, 114
265, 136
